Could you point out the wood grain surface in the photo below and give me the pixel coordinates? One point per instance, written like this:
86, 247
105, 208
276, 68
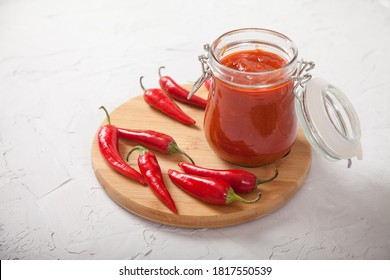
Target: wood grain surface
193, 213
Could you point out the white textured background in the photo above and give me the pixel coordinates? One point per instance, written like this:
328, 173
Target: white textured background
61, 60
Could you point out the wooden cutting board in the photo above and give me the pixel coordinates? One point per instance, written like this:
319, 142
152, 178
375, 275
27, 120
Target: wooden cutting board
193, 213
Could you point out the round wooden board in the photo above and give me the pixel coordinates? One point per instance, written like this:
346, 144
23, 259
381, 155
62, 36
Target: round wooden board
193, 213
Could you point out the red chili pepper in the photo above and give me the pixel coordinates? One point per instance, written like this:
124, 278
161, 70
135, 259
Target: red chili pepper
108, 145
241, 181
211, 190
153, 140
161, 101
169, 86
150, 169
207, 83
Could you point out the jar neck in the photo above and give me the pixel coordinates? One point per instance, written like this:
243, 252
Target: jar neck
248, 40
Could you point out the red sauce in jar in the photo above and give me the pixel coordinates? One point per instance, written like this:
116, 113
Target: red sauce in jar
253, 61
251, 126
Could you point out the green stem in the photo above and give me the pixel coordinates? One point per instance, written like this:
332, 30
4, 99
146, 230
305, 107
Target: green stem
232, 196
142, 150
174, 148
107, 114
159, 70
258, 182
140, 81
186, 155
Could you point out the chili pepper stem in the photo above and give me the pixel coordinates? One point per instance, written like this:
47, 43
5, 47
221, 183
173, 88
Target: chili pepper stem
173, 147
185, 154
258, 182
159, 70
142, 86
232, 196
141, 150
107, 114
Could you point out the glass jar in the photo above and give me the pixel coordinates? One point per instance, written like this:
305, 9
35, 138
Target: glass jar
257, 89
250, 118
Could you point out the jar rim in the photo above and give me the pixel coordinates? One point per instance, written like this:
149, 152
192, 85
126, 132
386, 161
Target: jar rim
264, 30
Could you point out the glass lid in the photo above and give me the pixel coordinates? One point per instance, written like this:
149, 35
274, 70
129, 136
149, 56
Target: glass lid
329, 121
